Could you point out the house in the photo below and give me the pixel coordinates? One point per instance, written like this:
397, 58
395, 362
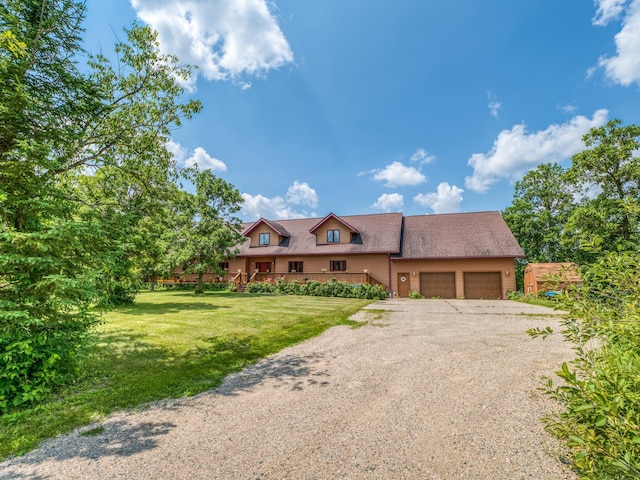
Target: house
542, 277
458, 255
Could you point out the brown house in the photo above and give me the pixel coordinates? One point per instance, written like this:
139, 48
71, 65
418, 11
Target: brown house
461, 255
542, 277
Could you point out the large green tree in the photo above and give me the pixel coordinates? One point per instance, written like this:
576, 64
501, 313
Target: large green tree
542, 203
59, 125
608, 176
212, 232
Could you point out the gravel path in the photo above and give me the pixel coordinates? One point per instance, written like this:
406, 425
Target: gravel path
437, 389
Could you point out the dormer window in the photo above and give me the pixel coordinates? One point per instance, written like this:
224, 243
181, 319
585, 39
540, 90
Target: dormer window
333, 236
264, 239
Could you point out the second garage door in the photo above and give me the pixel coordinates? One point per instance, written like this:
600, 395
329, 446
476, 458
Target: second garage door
440, 284
482, 285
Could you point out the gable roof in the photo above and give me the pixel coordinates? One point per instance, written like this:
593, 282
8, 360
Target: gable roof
279, 229
335, 217
378, 233
458, 235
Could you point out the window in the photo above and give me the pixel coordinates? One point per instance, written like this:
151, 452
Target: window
338, 265
264, 239
333, 236
224, 266
295, 267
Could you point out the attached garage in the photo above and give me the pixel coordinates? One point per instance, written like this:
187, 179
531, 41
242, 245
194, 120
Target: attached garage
440, 284
482, 285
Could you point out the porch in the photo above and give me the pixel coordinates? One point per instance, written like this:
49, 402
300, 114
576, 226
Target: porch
241, 279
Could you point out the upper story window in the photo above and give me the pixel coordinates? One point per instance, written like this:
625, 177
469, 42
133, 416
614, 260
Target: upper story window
333, 236
264, 239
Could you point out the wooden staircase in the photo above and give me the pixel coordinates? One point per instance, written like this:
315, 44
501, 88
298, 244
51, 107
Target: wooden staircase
242, 287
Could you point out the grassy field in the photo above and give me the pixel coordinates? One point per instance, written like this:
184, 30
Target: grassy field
171, 344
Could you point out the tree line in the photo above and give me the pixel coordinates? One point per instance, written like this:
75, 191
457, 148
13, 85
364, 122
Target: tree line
556, 211
90, 198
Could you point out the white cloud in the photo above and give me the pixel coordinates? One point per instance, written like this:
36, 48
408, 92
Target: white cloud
624, 68
199, 157
278, 208
607, 10
494, 105
204, 161
446, 200
302, 194
258, 206
568, 108
517, 150
178, 151
397, 174
225, 38
389, 202
422, 156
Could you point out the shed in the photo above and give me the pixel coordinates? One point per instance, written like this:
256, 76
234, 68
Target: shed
539, 277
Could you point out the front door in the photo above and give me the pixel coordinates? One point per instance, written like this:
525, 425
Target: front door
263, 267
403, 284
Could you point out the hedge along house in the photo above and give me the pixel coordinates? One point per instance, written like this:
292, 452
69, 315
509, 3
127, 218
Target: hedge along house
462, 255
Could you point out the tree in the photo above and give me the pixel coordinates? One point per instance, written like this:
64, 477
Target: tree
59, 126
608, 176
212, 233
542, 203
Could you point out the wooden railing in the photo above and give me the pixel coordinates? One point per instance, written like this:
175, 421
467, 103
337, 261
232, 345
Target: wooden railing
351, 278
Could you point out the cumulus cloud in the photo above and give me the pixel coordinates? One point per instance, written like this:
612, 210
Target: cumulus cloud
447, 199
204, 161
200, 157
302, 194
279, 208
624, 67
258, 206
225, 38
422, 156
517, 150
389, 202
398, 175
608, 10
494, 105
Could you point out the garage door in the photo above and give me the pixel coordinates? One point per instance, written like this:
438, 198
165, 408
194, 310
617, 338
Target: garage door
482, 285
441, 284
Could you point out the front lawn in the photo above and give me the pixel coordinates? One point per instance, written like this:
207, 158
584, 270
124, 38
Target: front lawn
171, 344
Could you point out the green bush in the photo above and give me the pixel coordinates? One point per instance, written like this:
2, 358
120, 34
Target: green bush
415, 295
332, 288
600, 388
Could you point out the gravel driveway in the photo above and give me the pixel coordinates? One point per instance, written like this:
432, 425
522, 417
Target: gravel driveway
431, 389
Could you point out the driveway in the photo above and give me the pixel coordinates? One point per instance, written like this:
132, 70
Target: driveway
427, 389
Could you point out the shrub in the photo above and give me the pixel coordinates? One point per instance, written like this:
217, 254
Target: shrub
600, 388
415, 294
332, 288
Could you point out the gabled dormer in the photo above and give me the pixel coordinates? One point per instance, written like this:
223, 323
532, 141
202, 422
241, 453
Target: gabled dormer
332, 230
265, 233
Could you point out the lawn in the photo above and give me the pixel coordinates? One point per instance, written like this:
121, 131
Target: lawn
170, 344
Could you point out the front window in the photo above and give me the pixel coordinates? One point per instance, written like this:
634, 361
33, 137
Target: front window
224, 266
264, 239
333, 236
338, 265
295, 267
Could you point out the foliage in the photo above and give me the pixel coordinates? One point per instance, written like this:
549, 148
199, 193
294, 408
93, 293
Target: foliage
212, 231
415, 295
79, 155
332, 288
608, 174
201, 339
600, 390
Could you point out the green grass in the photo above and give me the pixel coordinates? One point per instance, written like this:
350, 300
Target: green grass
171, 344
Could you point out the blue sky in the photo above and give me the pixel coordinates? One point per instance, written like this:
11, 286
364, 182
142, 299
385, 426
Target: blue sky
357, 107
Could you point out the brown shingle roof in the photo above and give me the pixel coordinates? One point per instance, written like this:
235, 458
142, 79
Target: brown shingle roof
458, 235
378, 233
